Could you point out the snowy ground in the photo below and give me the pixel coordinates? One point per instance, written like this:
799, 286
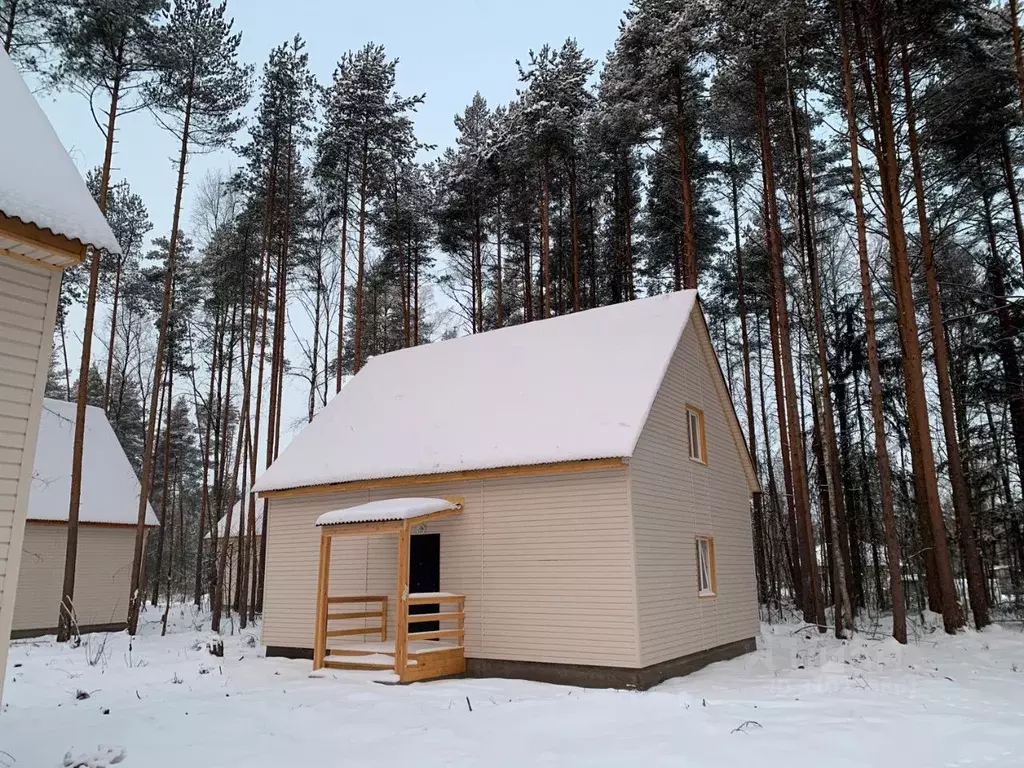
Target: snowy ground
802, 699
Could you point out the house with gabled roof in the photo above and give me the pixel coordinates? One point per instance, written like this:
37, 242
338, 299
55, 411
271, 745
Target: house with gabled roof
107, 522
47, 221
570, 499
242, 536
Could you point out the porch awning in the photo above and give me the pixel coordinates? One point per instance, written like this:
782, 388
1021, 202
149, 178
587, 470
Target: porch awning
390, 510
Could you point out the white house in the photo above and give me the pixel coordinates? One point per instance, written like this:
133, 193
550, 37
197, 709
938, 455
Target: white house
47, 221
107, 519
569, 499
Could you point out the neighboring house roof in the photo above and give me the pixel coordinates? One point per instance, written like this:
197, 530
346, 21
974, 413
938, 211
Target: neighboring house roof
571, 388
236, 516
110, 489
39, 184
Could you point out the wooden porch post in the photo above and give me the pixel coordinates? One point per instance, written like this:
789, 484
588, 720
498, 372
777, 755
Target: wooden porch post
402, 614
323, 580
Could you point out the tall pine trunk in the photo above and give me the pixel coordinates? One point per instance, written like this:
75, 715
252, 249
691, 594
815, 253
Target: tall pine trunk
885, 483
689, 239
64, 620
814, 608
575, 234
828, 446
545, 245
501, 276
361, 257
217, 602
9, 30
342, 271
961, 501
1018, 56
168, 397
917, 410
760, 548
112, 342
204, 497
145, 480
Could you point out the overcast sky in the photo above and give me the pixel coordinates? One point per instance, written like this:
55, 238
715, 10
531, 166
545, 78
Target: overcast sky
448, 49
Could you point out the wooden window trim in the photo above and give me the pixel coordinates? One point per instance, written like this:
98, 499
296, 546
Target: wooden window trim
711, 567
703, 459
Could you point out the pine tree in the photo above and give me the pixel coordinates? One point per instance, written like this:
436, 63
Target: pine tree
662, 47
551, 115
104, 48
24, 27
368, 129
199, 90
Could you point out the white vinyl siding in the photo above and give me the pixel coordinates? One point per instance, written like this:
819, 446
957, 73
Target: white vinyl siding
545, 563
102, 575
675, 500
28, 307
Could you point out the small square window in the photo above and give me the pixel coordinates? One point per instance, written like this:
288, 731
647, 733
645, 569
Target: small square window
706, 584
695, 433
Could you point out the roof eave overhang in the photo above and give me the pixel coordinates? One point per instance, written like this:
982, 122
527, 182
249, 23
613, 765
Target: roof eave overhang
530, 470
23, 241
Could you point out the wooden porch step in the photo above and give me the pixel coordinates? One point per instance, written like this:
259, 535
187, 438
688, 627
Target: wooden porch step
356, 665
355, 652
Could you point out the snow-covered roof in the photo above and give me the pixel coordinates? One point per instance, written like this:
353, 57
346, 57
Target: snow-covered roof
386, 510
570, 388
39, 184
241, 509
110, 489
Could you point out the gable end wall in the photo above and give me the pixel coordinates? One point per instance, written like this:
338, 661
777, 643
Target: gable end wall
675, 499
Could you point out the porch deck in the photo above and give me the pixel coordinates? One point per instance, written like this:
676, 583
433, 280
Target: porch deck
428, 654
367, 615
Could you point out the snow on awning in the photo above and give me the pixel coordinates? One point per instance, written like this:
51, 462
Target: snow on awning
387, 510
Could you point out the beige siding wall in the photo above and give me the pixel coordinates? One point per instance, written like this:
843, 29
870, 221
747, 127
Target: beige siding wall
102, 575
675, 499
545, 564
28, 307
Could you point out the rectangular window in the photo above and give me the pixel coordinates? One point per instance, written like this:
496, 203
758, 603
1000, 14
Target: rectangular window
695, 429
706, 585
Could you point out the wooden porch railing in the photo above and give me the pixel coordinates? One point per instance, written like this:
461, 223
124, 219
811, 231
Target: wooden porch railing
379, 627
446, 659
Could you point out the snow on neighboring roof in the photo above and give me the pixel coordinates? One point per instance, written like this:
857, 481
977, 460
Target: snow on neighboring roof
110, 489
39, 184
387, 509
241, 508
570, 388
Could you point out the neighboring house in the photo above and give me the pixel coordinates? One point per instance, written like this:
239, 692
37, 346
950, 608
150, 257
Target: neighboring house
47, 220
107, 518
577, 488
239, 522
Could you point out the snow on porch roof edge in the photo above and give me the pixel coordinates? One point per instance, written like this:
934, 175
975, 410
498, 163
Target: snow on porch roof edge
387, 510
